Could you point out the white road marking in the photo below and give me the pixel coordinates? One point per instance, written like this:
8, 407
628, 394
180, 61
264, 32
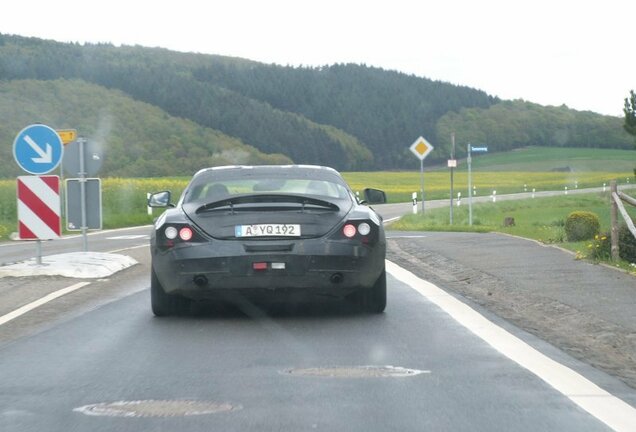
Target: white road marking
386, 221
406, 236
129, 237
92, 233
129, 248
37, 303
606, 407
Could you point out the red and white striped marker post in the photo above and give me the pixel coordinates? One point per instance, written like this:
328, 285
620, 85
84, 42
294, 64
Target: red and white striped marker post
39, 209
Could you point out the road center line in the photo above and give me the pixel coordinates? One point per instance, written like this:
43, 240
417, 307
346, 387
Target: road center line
606, 407
37, 303
129, 248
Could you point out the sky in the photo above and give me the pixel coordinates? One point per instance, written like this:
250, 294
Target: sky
577, 53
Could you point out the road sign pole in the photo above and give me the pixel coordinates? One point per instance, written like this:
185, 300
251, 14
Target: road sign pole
422, 183
82, 174
421, 148
470, 188
451, 176
38, 252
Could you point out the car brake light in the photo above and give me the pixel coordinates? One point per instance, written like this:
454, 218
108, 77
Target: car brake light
349, 230
259, 266
185, 234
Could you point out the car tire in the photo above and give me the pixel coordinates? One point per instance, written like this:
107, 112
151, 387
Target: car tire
373, 299
165, 304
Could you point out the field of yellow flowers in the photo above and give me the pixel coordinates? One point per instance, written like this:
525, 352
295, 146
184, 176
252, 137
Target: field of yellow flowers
124, 199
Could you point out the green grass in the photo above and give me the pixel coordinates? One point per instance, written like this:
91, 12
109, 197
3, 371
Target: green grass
548, 159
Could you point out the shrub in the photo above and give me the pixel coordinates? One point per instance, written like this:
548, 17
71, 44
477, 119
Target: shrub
626, 244
600, 247
581, 225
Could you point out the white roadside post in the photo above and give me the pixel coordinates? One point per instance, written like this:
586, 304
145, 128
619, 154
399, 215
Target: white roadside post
494, 196
149, 208
533, 191
414, 198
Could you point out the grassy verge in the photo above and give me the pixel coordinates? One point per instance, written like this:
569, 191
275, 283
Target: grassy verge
541, 219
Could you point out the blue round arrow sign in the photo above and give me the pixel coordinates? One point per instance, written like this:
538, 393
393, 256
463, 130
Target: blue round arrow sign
38, 149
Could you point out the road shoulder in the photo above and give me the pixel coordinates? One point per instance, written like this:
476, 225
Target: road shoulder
583, 309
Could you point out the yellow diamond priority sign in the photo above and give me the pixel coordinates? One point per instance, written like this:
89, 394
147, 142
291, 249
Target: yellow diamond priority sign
421, 148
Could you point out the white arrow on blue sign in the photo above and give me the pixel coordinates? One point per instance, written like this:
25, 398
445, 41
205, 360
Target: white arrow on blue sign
38, 149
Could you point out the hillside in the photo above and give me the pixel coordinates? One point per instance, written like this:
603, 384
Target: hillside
553, 159
163, 78
127, 130
352, 117
514, 124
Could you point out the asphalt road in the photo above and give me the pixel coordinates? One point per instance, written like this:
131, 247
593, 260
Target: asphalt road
248, 363
97, 360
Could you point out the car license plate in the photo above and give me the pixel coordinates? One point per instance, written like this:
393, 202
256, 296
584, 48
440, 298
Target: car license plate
267, 230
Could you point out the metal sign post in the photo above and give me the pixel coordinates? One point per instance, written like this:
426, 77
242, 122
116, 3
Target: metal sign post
452, 164
470, 149
421, 148
82, 159
470, 187
82, 177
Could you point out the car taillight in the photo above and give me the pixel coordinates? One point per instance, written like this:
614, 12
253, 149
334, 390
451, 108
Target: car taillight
172, 235
185, 234
364, 231
349, 230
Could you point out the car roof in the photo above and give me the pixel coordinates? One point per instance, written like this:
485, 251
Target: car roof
291, 169
268, 168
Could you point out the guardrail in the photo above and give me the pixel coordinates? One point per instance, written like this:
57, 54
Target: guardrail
617, 206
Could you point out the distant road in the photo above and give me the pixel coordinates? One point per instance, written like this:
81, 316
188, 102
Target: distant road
111, 240
393, 211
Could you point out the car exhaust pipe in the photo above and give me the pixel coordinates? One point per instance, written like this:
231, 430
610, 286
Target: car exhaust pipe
200, 281
336, 278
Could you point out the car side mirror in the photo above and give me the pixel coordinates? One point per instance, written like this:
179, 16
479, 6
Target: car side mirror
374, 196
160, 199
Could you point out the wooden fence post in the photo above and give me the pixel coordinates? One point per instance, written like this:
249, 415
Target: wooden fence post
614, 221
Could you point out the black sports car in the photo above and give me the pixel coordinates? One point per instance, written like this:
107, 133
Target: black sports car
268, 231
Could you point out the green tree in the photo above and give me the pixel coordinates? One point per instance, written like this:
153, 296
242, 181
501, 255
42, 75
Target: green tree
630, 113
630, 116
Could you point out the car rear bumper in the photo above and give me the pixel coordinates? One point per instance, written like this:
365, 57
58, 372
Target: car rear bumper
315, 266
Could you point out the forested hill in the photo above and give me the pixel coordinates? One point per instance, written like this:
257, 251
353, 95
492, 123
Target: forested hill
351, 117
127, 131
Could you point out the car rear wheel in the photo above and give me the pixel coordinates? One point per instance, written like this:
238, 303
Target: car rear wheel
373, 300
165, 304
376, 303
